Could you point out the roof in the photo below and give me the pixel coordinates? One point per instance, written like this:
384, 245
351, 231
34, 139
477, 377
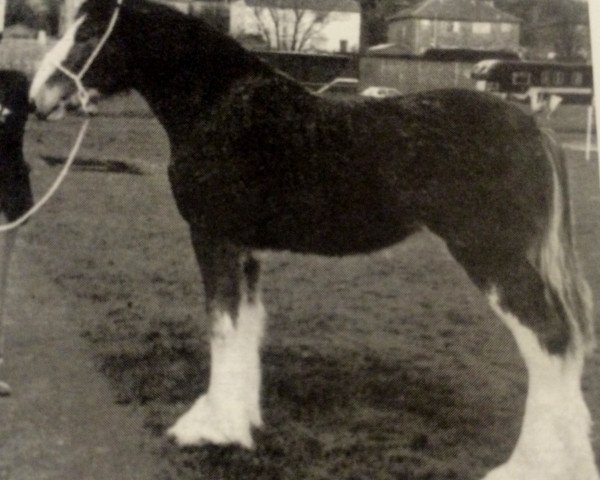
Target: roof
317, 5
441, 54
465, 10
389, 50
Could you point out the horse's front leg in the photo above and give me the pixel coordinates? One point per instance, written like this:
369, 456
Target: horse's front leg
229, 409
7, 243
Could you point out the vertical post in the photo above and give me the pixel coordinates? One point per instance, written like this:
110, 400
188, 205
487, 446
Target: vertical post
594, 9
588, 132
2, 16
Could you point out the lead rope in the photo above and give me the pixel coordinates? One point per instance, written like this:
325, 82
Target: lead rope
54, 187
10, 237
84, 97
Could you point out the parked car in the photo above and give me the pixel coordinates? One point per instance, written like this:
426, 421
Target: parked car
380, 92
340, 86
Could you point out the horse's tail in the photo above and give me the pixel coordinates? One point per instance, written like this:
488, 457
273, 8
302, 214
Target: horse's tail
558, 263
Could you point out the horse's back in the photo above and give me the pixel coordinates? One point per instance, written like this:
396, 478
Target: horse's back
357, 176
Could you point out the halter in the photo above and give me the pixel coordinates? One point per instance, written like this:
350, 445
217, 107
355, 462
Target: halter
83, 93
84, 97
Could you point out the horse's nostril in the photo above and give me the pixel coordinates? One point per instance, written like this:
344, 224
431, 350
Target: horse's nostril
40, 115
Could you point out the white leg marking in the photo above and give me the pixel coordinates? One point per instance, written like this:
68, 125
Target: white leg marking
226, 413
54, 57
554, 441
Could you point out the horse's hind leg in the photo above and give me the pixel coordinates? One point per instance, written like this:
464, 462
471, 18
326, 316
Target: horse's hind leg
554, 441
547, 307
231, 406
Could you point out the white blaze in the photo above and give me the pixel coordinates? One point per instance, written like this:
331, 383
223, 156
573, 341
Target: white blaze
54, 57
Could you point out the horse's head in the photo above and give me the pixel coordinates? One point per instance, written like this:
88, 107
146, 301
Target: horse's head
92, 55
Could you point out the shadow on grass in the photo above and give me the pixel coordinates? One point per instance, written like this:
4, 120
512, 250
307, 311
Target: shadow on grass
96, 165
342, 415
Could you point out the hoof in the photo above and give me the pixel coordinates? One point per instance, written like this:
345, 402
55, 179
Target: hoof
206, 424
5, 390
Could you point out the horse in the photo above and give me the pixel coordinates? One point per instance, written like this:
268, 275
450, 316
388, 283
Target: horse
258, 162
15, 188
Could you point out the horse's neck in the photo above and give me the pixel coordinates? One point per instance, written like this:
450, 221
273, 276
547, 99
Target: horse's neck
183, 81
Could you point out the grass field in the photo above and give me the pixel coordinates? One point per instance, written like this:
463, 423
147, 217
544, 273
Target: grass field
386, 366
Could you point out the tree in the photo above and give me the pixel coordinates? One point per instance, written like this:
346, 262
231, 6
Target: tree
289, 24
567, 16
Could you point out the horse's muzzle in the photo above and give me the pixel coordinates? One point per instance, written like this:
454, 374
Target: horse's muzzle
49, 102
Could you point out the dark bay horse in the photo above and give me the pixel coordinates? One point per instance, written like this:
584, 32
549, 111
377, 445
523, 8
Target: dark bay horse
258, 162
15, 189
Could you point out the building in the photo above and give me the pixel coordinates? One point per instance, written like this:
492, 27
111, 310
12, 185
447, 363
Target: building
390, 66
446, 24
436, 43
299, 25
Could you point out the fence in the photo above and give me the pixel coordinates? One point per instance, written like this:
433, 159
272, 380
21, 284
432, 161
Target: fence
414, 75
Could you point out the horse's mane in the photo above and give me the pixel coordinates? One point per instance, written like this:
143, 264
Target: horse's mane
184, 29
152, 8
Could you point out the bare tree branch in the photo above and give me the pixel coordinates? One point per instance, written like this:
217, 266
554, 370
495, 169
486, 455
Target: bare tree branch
293, 26
313, 29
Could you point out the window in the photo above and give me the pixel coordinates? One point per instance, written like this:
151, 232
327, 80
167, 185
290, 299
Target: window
426, 23
577, 79
546, 78
482, 27
559, 79
505, 27
521, 78
452, 27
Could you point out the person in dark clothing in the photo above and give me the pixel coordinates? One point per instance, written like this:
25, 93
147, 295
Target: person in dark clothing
15, 189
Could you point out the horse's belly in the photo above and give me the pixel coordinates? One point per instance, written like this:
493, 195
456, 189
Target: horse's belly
327, 234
